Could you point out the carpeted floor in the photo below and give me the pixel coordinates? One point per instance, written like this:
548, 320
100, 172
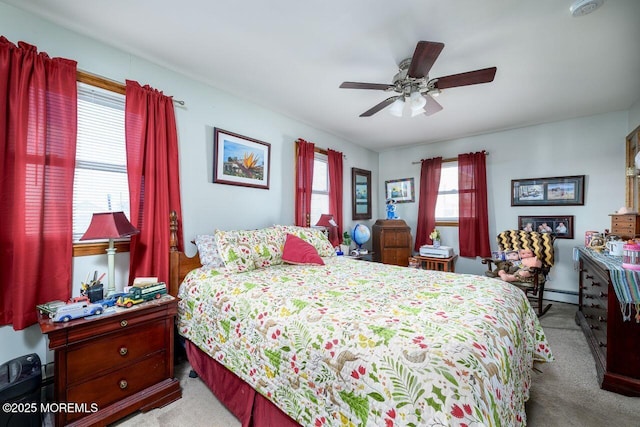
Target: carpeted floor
564, 394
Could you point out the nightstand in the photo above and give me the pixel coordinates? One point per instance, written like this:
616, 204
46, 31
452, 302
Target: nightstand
114, 364
438, 264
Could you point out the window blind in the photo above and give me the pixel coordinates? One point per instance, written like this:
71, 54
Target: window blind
100, 182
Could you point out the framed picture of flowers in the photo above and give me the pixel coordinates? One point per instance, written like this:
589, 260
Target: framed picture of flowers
240, 160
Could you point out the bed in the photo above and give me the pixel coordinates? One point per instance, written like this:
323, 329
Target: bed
357, 343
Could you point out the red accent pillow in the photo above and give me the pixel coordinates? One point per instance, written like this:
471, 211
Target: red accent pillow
297, 251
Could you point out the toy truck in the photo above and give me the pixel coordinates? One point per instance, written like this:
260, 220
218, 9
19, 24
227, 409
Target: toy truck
141, 293
75, 310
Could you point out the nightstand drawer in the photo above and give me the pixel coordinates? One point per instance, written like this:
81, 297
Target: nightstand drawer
114, 350
116, 386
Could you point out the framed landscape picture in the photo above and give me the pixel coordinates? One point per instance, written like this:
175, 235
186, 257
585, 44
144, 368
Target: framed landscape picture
360, 193
561, 225
400, 190
240, 160
557, 191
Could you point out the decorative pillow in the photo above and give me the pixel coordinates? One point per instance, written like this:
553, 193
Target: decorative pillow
208, 251
267, 245
236, 250
313, 236
297, 251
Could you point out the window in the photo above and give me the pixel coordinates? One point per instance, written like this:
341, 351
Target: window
447, 204
320, 189
100, 182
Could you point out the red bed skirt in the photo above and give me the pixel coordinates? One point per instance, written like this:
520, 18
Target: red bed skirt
248, 406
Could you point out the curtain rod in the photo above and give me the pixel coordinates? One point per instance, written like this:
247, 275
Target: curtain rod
449, 159
108, 84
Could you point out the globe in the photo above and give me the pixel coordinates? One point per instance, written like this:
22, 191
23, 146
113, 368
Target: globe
361, 234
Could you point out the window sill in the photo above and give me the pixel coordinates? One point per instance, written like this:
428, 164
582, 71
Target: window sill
98, 248
446, 223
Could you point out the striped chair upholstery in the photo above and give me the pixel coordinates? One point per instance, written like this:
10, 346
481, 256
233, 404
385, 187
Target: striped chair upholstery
541, 244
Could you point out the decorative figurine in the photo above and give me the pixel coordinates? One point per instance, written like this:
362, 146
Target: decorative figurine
391, 209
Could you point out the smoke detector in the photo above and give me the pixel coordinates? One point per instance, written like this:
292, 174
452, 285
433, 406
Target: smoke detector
584, 7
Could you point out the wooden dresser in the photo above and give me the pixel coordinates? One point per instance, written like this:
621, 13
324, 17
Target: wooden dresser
114, 364
626, 226
615, 344
392, 242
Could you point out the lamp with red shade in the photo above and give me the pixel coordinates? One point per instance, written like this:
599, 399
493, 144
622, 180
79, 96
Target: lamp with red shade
326, 220
110, 225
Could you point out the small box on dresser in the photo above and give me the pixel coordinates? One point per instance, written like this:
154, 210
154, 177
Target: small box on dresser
626, 226
614, 343
116, 364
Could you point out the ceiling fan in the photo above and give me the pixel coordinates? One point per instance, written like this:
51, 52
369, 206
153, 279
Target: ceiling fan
412, 83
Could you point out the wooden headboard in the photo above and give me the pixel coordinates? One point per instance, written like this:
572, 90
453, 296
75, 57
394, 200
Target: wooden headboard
179, 263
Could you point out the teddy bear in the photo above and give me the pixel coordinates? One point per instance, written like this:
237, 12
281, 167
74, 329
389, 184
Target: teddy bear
510, 264
524, 273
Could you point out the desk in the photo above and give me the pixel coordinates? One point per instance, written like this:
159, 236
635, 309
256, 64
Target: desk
438, 264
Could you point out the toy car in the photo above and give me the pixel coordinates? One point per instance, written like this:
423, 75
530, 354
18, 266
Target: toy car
75, 310
110, 301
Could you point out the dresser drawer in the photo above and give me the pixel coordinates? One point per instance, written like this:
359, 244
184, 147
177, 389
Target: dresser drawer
623, 219
117, 386
114, 350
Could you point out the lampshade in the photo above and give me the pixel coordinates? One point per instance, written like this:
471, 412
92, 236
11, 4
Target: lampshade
109, 225
417, 103
326, 220
397, 107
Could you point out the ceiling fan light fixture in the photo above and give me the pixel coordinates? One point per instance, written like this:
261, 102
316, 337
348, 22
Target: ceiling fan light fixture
417, 103
417, 111
397, 107
435, 92
584, 7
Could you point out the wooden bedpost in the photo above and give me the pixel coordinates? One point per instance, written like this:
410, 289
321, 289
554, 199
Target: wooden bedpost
179, 263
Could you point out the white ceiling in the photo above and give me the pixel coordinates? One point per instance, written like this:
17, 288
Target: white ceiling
291, 56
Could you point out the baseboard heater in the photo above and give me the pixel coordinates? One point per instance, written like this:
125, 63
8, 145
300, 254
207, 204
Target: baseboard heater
561, 291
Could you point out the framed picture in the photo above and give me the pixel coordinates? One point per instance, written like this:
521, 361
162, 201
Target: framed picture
563, 190
239, 160
401, 190
361, 193
561, 226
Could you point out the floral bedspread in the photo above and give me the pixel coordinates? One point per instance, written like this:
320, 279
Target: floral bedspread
360, 343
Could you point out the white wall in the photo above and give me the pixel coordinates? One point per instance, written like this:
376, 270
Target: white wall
591, 146
206, 206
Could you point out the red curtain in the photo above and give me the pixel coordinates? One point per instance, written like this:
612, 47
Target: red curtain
429, 185
38, 128
154, 178
304, 181
473, 214
334, 159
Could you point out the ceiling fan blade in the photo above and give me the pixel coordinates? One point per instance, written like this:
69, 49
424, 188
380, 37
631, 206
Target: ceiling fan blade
371, 111
432, 105
485, 75
358, 85
423, 58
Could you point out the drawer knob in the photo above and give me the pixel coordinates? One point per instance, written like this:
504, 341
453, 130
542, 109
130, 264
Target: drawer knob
124, 323
595, 305
595, 284
123, 384
588, 316
587, 296
603, 294
594, 327
602, 344
602, 319
588, 276
123, 351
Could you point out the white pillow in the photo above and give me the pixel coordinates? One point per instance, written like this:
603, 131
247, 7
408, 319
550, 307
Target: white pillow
208, 251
